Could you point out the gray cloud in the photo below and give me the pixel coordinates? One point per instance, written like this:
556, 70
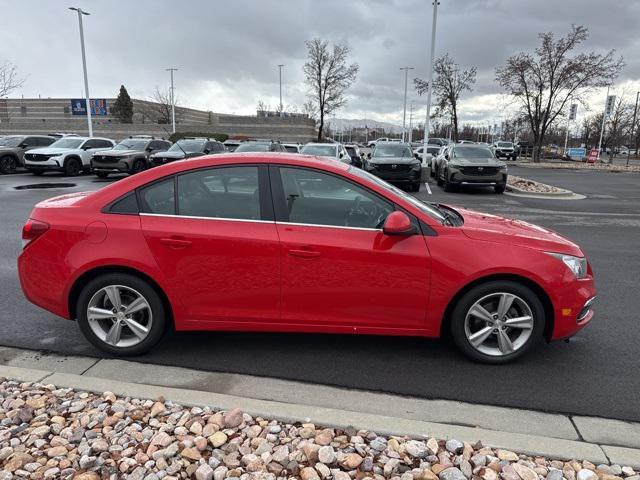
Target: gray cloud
227, 52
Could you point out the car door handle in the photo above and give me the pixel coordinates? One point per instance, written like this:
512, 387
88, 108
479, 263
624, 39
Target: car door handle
304, 253
175, 242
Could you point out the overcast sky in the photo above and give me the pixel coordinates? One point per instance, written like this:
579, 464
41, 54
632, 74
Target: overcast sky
227, 52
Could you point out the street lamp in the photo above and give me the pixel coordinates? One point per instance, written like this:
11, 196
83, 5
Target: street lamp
280, 76
84, 67
173, 102
404, 111
429, 79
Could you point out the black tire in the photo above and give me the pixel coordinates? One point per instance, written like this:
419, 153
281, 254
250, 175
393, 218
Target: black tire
102, 174
500, 187
158, 326
8, 164
448, 186
139, 165
463, 305
72, 167
415, 187
439, 179
37, 173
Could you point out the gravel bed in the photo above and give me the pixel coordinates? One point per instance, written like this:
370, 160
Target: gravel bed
531, 185
606, 167
48, 432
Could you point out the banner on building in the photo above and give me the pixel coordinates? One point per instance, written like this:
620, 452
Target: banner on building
611, 100
98, 106
573, 110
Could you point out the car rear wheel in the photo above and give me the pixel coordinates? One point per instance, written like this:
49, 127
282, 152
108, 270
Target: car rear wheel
72, 167
497, 322
8, 164
121, 314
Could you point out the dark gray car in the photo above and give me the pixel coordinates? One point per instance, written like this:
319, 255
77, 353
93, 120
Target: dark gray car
464, 164
131, 156
188, 147
395, 163
13, 147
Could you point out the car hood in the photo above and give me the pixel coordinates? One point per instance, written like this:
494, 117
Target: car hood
477, 162
393, 160
493, 228
119, 153
6, 149
53, 151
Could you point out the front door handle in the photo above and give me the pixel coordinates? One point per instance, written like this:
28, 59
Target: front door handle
176, 242
304, 253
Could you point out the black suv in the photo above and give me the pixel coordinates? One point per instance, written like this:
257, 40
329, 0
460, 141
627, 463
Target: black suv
395, 163
188, 147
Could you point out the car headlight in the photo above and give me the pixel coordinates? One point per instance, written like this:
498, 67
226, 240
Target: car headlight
578, 265
454, 165
416, 166
503, 168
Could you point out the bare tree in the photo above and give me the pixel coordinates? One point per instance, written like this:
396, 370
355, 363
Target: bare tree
328, 77
9, 79
543, 82
158, 108
448, 85
309, 107
262, 107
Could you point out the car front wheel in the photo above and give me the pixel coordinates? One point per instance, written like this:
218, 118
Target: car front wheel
8, 164
121, 314
500, 187
72, 167
497, 322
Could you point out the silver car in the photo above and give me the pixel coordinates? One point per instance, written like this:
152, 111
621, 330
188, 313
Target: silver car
464, 164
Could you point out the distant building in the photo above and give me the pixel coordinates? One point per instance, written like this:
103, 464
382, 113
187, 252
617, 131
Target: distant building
48, 115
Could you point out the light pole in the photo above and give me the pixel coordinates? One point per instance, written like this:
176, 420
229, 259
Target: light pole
84, 66
429, 79
280, 76
633, 127
566, 133
173, 100
404, 111
604, 116
410, 120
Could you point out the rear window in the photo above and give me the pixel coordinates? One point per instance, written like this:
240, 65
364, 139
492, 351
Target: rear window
126, 205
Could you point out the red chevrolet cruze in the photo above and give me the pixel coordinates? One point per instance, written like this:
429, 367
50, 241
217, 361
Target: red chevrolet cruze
290, 243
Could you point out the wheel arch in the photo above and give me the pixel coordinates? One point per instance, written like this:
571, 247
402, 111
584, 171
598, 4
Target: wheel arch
82, 280
527, 282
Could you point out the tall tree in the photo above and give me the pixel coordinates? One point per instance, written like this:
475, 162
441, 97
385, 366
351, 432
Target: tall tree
328, 77
122, 108
448, 84
543, 82
9, 79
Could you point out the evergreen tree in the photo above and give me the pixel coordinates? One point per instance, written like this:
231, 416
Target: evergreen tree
122, 109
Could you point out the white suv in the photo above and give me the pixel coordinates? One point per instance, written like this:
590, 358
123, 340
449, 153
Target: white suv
71, 155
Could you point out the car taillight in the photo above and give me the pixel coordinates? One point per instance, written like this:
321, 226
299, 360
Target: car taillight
32, 230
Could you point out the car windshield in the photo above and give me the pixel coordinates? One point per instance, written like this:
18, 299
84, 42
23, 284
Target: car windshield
433, 150
351, 150
322, 150
473, 153
189, 146
67, 143
392, 150
505, 144
10, 141
423, 207
131, 145
253, 147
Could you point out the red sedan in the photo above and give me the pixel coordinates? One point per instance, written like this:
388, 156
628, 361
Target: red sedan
289, 243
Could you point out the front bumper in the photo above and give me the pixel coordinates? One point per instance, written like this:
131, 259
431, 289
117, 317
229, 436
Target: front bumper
505, 153
458, 177
573, 307
110, 167
50, 164
410, 176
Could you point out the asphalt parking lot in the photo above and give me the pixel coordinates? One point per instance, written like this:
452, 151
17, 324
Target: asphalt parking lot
595, 374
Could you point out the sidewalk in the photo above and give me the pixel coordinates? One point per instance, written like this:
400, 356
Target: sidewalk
554, 436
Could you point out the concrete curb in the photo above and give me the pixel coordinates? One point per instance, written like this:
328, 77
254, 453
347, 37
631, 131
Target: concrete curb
522, 443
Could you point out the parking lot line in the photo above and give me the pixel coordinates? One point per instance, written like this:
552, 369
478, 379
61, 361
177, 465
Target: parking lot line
426, 184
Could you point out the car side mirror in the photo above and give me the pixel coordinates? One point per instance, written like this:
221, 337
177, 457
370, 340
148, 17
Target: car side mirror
446, 156
341, 154
417, 156
207, 151
149, 149
87, 147
398, 223
369, 156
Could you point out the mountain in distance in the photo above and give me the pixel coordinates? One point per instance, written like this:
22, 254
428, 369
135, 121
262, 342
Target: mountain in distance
348, 123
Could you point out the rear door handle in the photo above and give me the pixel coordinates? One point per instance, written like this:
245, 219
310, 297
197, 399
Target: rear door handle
176, 242
304, 253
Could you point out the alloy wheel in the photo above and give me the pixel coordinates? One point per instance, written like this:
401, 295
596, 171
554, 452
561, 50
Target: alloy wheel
119, 316
499, 324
